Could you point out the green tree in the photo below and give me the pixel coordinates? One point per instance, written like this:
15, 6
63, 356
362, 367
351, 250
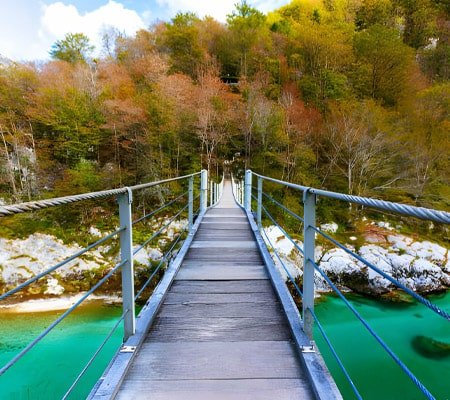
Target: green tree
373, 12
384, 64
247, 25
419, 22
181, 39
75, 47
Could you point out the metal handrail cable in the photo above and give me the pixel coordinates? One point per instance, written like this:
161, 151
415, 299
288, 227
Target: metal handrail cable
296, 216
412, 211
335, 354
160, 230
151, 184
322, 331
374, 334
160, 208
164, 258
57, 201
94, 356
417, 296
289, 237
284, 266
60, 318
60, 264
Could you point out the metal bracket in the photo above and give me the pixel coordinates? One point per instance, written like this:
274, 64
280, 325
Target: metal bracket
128, 349
308, 349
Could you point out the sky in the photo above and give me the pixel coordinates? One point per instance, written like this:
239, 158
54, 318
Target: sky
29, 28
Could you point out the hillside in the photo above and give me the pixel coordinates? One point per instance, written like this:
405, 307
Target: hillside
349, 96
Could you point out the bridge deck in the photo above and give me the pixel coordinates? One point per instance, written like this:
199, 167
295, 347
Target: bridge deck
221, 332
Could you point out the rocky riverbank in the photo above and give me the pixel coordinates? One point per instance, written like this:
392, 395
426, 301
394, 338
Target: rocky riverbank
422, 266
21, 259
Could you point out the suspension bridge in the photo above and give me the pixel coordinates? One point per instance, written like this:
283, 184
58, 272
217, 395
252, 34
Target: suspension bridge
221, 322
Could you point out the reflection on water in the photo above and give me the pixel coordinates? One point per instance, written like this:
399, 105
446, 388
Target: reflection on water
49, 369
417, 335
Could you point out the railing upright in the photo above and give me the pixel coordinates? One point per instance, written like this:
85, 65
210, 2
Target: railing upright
126, 253
248, 191
191, 203
204, 191
211, 193
309, 237
259, 206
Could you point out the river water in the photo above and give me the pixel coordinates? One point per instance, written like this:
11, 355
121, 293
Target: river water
50, 368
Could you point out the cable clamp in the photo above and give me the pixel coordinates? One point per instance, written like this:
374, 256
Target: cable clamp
308, 349
127, 349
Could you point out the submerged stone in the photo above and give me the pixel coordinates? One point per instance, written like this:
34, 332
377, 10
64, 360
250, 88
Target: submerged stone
430, 348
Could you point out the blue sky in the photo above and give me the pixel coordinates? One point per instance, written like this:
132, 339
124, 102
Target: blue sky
28, 28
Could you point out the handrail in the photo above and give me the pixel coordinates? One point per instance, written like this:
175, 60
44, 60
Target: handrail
59, 265
41, 336
124, 197
309, 232
411, 211
58, 201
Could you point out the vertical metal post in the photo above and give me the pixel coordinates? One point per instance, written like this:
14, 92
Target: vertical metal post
211, 185
126, 253
309, 209
259, 209
191, 203
248, 190
204, 191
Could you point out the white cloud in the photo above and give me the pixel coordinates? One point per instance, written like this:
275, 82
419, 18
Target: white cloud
41, 25
59, 19
216, 8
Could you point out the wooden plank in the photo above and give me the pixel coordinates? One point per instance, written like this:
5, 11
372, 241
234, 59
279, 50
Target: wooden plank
224, 254
228, 287
223, 238
225, 220
233, 310
226, 226
242, 244
220, 298
218, 263
108, 385
169, 329
206, 273
230, 389
215, 360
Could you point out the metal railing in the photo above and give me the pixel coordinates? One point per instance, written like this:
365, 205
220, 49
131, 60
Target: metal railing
243, 192
128, 251
215, 192
238, 190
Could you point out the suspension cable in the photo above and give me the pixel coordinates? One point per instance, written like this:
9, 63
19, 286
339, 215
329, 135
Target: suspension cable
59, 265
59, 319
94, 356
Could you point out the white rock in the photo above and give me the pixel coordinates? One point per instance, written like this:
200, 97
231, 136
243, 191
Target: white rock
428, 251
22, 258
353, 238
95, 232
377, 256
402, 263
385, 225
332, 227
53, 287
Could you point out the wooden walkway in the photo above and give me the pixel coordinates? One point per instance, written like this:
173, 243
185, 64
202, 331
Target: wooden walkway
221, 332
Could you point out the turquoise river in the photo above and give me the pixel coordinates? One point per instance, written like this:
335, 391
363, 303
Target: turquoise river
50, 368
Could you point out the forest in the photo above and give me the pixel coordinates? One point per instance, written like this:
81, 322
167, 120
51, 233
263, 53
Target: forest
347, 95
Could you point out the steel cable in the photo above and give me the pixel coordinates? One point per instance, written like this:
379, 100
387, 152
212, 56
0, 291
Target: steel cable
59, 265
94, 356
417, 296
403, 367
59, 319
